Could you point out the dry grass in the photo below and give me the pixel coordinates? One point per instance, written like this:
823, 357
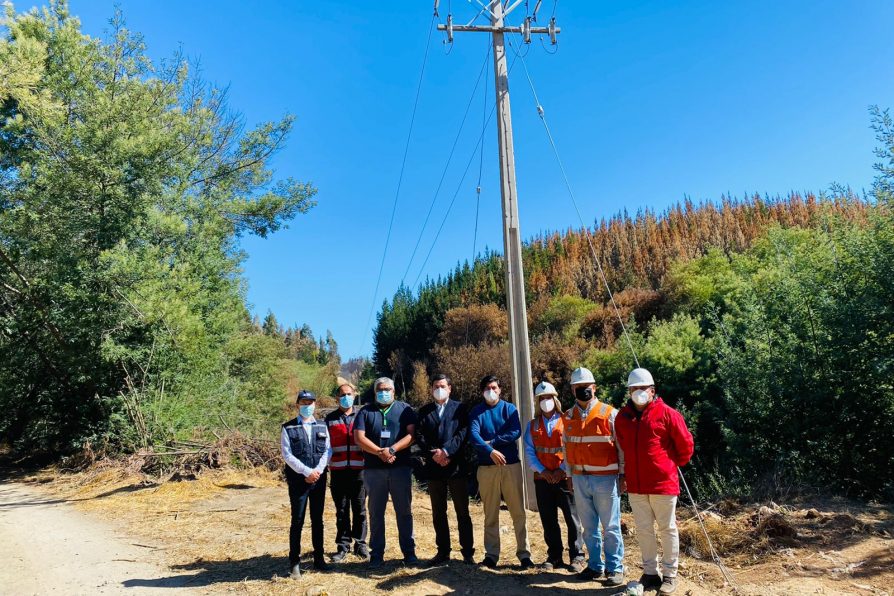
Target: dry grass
228, 530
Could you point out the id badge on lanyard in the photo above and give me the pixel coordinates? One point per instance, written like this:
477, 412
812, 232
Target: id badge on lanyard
385, 435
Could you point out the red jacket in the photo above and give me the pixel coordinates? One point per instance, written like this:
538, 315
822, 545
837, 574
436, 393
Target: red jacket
654, 442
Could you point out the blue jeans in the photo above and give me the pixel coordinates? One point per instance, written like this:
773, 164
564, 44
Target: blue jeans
597, 499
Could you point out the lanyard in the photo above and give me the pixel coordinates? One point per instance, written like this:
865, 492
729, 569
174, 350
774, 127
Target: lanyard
385, 416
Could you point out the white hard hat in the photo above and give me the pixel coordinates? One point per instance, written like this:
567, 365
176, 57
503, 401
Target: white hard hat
545, 388
640, 377
582, 376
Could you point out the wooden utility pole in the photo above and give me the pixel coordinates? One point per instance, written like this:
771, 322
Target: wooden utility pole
519, 350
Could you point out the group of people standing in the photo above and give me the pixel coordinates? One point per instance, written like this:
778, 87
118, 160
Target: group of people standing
582, 460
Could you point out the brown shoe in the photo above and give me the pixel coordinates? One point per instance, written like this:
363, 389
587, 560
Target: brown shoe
668, 585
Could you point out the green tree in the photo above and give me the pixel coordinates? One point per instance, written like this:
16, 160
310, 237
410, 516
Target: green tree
124, 186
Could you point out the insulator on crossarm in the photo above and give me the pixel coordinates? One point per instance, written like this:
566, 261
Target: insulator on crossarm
449, 28
552, 30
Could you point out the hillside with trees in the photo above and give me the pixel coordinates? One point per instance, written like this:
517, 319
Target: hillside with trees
768, 322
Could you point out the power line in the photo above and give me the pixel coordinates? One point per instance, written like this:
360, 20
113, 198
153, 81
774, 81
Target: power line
459, 186
446, 166
580, 217
400, 179
455, 195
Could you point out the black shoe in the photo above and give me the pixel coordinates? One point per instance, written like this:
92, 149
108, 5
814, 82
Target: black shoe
489, 563
527, 563
551, 564
361, 550
375, 563
321, 565
589, 574
439, 559
469, 560
411, 561
295, 571
668, 586
340, 556
649, 581
614, 578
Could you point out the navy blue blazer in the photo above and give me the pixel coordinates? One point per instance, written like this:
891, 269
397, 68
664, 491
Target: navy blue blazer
449, 432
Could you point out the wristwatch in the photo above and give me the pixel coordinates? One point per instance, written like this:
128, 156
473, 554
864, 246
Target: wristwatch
391, 450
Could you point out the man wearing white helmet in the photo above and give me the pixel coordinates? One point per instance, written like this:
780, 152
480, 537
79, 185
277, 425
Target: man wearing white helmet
596, 464
655, 441
545, 455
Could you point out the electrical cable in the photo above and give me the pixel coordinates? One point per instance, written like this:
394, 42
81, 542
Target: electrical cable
459, 186
542, 114
400, 179
446, 166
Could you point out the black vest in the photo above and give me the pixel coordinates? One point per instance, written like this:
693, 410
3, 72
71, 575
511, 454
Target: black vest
307, 452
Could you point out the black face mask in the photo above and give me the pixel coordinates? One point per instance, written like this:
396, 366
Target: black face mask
583, 394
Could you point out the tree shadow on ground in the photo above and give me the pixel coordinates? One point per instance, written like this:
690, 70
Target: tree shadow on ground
881, 561
457, 577
472, 579
206, 573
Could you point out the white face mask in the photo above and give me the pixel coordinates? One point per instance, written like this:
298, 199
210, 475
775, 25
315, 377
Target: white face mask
640, 397
440, 394
491, 396
548, 405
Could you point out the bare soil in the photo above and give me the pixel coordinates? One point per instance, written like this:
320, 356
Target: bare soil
227, 531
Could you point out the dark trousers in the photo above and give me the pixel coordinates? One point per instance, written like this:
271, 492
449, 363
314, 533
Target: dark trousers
551, 498
349, 496
397, 483
300, 492
459, 493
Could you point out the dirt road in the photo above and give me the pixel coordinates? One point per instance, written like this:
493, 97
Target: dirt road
48, 547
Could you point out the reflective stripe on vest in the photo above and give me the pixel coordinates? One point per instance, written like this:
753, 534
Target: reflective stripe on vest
589, 445
590, 439
343, 448
596, 469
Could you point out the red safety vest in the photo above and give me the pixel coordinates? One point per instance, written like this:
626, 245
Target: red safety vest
589, 445
345, 454
548, 447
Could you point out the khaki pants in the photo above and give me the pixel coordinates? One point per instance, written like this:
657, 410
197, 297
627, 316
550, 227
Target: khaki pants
647, 510
506, 480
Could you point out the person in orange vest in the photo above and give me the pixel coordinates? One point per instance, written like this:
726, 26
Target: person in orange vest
346, 478
545, 456
596, 463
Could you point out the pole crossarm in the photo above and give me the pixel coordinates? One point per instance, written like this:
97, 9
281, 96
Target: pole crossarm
493, 29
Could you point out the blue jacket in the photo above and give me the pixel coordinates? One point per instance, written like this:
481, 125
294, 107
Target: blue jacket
496, 427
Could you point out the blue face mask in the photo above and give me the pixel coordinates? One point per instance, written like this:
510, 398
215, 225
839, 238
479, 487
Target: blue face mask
307, 411
384, 397
346, 401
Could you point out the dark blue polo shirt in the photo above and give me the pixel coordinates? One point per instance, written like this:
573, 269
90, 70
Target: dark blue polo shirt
394, 419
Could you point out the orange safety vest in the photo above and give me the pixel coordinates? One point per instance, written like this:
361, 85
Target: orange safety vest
548, 447
589, 445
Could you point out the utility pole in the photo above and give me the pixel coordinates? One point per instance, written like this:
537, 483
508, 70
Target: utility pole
519, 349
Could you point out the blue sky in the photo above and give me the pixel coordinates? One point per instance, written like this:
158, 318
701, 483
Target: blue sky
649, 102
